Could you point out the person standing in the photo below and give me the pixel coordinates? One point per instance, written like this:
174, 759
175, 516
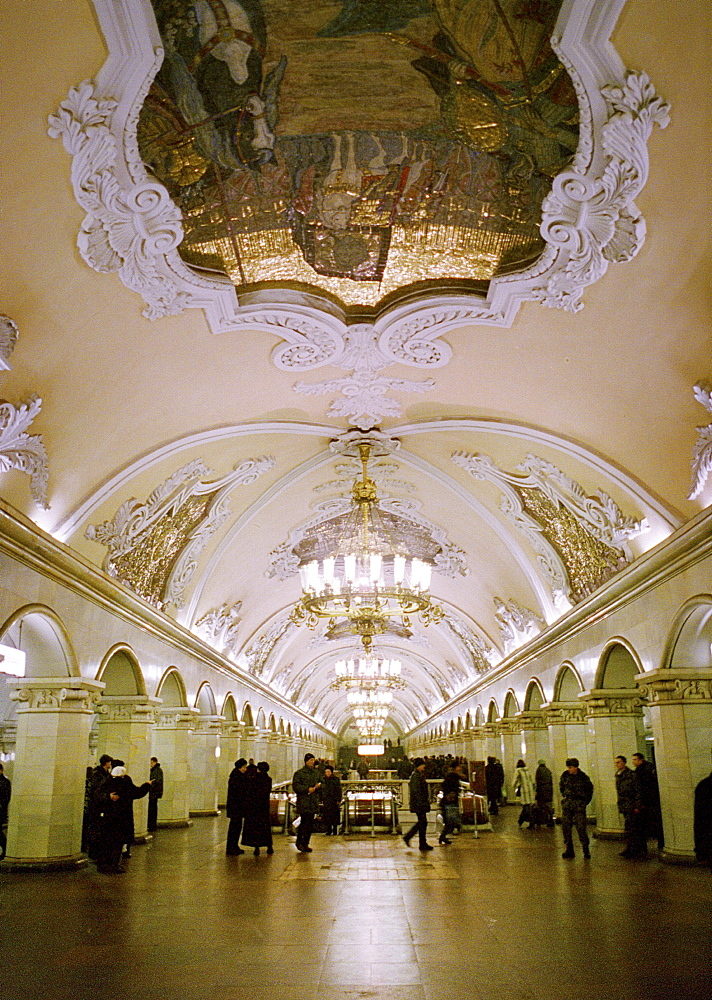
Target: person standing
649, 817
450, 791
544, 809
258, 820
93, 821
576, 792
306, 785
155, 793
523, 786
5, 795
331, 797
235, 806
116, 797
494, 779
419, 804
628, 806
128, 794
702, 820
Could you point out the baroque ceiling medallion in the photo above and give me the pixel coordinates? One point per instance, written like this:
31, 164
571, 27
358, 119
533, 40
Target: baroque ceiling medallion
466, 154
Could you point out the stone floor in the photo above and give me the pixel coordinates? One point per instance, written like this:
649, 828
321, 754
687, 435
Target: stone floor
498, 918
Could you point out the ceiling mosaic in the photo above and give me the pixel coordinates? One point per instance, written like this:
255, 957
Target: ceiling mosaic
359, 148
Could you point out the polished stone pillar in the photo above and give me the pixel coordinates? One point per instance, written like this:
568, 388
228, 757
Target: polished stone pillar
535, 735
566, 722
171, 744
125, 730
479, 750
511, 742
491, 736
615, 725
248, 742
54, 717
680, 703
230, 751
204, 741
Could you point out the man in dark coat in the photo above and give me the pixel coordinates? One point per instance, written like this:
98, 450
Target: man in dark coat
628, 807
544, 785
450, 800
235, 807
703, 820
419, 804
156, 793
494, 779
306, 786
331, 796
116, 797
257, 831
649, 817
99, 775
576, 792
5, 794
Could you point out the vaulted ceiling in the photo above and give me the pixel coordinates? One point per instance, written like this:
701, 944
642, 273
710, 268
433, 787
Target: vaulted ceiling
541, 455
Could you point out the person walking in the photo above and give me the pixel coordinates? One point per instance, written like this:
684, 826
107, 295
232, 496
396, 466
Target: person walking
155, 793
419, 804
257, 831
544, 806
235, 806
494, 779
306, 786
450, 801
576, 792
628, 807
331, 797
523, 786
5, 795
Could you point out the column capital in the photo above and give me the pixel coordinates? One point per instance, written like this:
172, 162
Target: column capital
56, 694
176, 717
490, 729
676, 687
531, 720
563, 713
128, 708
602, 702
231, 727
209, 724
509, 727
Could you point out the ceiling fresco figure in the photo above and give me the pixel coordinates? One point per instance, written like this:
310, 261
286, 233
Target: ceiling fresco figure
385, 146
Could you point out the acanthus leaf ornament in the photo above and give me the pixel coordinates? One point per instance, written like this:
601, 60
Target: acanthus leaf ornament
22, 451
8, 339
702, 454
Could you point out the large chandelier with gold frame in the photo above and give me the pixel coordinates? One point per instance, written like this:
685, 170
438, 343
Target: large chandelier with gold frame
359, 568
367, 673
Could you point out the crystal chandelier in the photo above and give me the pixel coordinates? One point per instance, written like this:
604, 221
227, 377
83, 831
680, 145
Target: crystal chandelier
370, 720
360, 568
366, 672
368, 698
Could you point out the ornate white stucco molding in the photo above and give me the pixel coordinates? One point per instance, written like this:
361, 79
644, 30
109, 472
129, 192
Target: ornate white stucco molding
482, 655
220, 627
702, 454
256, 656
22, 451
8, 339
517, 625
133, 522
133, 228
598, 514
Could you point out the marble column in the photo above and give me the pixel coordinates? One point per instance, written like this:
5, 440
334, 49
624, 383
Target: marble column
493, 747
204, 741
566, 722
171, 744
125, 730
615, 725
680, 704
54, 716
248, 742
478, 744
535, 736
230, 751
511, 742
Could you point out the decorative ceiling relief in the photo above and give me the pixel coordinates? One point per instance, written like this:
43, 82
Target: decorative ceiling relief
702, 455
8, 339
220, 627
257, 655
517, 625
581, 541
481, 655
154, 546
467, 154
22, 451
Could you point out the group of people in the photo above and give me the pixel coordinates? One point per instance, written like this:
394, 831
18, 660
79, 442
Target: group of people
419, 791
639, 804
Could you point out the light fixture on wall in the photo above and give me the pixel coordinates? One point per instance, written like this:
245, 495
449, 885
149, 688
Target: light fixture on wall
366, 567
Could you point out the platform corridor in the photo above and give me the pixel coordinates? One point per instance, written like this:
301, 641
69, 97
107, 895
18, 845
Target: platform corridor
503, 917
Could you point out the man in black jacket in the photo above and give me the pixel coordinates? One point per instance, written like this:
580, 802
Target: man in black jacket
576, 792
628, 805
5, 793
235, 807
93, 822
155, 793
419, 804
306, 785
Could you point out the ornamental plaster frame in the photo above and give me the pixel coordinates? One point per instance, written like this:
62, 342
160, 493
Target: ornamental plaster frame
133, 228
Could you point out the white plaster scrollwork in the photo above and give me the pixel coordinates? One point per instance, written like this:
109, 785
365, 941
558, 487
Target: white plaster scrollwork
8, 339
598, 514
257, 655
517, 625
593, 220
220, 627
22, 451
702, 455
483, 657
133, 521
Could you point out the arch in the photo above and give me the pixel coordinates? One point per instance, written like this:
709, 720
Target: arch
567, 685
247, 716
511, 706
280, 727
261, 719
689, 644
205, 700
534, 697
41, 634
272, 724
468, 720
479, 716
171, 689
289, 729
120, 672
229, 708
458, 726
492, 711
618, 665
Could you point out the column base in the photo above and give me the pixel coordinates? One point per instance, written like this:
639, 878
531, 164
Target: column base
678, 857
173, 824
204, 812
70, 863
143, 838
601, 834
